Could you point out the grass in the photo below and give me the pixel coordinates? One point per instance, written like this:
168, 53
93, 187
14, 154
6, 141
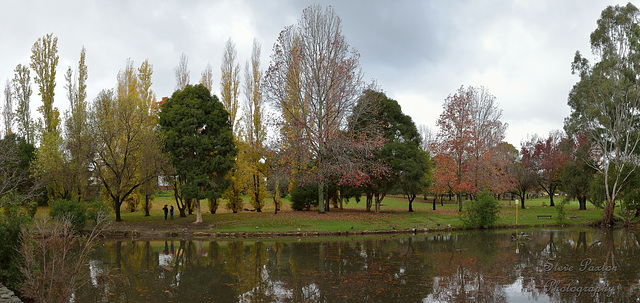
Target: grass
353, 217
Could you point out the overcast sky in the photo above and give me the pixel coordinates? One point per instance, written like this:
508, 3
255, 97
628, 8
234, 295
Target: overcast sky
419, 52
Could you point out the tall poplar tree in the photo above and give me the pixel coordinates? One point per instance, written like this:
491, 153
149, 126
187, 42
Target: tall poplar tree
182, 72
230, 82
22, 94
206, 78
44, 61
254, 130
78, 142
229, 93
7, 109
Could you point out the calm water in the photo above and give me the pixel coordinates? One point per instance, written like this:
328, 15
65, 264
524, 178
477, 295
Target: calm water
545, 266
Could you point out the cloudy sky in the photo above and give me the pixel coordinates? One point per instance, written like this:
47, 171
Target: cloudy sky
419, 52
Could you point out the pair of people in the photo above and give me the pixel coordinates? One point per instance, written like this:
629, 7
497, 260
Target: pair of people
166, 210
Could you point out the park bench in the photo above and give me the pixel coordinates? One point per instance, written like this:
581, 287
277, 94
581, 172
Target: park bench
544, 216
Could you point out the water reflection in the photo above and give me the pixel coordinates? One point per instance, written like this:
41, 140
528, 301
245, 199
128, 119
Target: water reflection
544, 266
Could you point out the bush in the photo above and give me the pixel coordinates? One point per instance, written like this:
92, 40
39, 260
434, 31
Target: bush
10, 258
561, 218
31, 208
483, 213
303, 197
97, 209
54, 279
75, 211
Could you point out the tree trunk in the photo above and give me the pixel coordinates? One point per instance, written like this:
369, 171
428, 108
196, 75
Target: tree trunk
459, 197
582, 200
256, 182
551, 200
181, 207
379, 198
522, 200
411, 197
189, 203
434, 202
369, 201
146, 205
117, 210
321, 207
607, 213
198, 212
327, 205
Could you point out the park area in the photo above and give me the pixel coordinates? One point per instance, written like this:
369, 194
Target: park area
352, 219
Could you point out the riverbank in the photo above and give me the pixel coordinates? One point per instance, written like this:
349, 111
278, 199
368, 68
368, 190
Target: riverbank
351, 220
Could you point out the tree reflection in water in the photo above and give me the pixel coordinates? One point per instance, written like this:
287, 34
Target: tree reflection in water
455, 267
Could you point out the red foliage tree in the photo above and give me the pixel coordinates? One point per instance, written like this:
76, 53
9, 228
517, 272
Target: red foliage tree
443, 176
469, 132
548, 160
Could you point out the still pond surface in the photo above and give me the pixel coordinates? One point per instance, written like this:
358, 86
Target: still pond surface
573, 265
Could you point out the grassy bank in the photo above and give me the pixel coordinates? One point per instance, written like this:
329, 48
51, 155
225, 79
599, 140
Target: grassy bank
353, 217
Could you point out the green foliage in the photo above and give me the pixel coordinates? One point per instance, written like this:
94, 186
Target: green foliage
96, 209
44, 60
561, 218
74, 210
197, 135
483, 213
408, 164
10, 258
304, 197
31, 208
604, 100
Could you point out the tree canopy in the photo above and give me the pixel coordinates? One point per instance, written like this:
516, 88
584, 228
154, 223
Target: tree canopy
197, 135
605, 101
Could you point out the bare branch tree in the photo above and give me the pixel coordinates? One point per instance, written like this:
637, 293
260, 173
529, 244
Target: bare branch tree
314, 79
207, 78
7, 110
182, 72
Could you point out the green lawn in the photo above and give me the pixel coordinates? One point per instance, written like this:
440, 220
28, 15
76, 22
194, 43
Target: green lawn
353, 217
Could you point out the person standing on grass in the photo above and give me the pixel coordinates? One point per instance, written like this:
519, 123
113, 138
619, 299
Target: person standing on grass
165, 211
171, 212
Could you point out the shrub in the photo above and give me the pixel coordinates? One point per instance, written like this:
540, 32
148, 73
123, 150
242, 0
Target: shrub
55, 277
483, 213
97, 209
303, 197
561, 218
74, 210
10, 258
32, 208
